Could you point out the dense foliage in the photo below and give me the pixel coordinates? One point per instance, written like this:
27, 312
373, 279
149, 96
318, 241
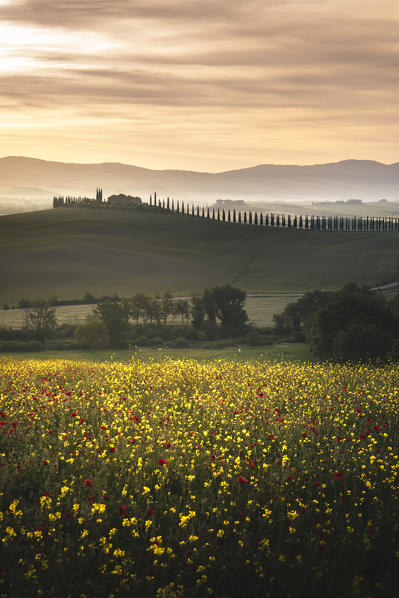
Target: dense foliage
186, 479
351, 324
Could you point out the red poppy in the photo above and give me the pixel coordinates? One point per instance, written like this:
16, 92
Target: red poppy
112, 449
163, 462
88, 483
73, 414
122, 511
167, 445
338, 475
241, 480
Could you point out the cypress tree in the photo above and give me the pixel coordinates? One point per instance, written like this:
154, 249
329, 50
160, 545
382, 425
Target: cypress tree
168, 204
250, 217
261, 219
256, 218
223, 215
173, 205
234, 216
228, 216
213, 214
198, 211
245, 217
218, 214
271, 219
289, 221
182, 207
207, 212
177, 207
278, 220
267, 220
239, 217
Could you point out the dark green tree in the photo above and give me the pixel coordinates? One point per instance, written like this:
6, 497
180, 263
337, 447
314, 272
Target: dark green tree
41, 320
115, 319
230, 306
296, 315
167, 307
153, 310
181, 308
209, 303
197, 311
337, 324
138, 306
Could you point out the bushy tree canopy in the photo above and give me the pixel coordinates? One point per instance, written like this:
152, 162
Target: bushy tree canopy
41, 319
351, 324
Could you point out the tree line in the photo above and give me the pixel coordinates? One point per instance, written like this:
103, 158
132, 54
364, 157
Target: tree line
320, 223
111, 321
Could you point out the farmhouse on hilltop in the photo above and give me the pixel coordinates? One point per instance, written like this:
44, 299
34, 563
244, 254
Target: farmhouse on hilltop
113, 201
122, 200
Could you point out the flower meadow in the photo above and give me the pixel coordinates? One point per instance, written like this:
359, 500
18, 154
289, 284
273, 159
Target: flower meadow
181, 478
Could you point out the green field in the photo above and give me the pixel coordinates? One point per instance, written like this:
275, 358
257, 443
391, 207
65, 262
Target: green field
283, 351
69, 251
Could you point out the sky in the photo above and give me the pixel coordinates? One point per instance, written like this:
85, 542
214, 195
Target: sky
205, 85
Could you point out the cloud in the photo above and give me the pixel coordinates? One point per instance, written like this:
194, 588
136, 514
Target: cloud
263, 65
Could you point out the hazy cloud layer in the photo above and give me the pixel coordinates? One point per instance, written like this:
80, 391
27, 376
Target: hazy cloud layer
200, 84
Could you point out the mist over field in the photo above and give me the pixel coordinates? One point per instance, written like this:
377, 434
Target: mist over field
30, 184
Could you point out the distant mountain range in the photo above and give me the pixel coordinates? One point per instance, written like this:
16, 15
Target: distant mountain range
29, 183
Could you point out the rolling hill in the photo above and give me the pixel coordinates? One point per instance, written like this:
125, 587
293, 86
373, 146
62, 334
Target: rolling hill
25, 180
69, 251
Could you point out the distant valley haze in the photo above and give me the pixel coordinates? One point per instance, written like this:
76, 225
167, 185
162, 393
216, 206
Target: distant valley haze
199, 100
28, 183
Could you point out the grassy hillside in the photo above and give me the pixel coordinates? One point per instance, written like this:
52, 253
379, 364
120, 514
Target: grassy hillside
68, 251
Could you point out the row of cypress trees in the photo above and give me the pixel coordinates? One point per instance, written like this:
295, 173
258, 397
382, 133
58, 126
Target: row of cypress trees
331, 223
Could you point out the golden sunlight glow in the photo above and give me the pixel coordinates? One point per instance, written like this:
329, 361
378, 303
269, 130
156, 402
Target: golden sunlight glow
199, 85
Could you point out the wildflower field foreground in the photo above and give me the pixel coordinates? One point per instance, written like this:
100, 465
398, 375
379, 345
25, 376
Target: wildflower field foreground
180, 478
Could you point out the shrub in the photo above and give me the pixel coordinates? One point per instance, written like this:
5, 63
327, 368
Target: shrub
254, 338
92, 333
16, 346
157, 341
181, 341
140, 341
